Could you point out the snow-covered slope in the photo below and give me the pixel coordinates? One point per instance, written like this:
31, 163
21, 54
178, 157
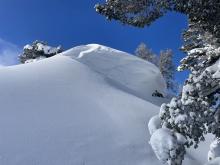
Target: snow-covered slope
121, 69
87, 106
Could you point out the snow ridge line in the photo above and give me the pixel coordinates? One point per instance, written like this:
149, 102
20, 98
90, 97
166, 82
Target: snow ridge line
93, 48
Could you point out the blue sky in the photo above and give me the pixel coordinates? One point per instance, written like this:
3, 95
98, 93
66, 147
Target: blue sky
74, 22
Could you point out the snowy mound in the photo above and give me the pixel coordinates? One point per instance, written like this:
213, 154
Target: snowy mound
65, 111
127, 72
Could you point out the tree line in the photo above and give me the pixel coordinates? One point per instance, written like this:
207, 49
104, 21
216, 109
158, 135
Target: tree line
164, 61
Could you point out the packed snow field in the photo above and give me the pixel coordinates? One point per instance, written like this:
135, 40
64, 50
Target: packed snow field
89, 105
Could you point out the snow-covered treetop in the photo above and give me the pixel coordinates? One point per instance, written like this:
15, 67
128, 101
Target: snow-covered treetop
41, 46
38, 50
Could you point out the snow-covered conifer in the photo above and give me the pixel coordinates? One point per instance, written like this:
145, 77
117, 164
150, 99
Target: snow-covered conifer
168, 146
191, 113
38, 50
142, 13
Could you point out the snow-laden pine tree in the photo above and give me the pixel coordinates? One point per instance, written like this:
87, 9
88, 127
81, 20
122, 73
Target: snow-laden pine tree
196, 110
168, 69
38, 50
142, 13
146, 53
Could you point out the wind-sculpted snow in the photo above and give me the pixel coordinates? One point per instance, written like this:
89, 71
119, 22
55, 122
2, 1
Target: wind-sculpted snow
127, 72
64, 111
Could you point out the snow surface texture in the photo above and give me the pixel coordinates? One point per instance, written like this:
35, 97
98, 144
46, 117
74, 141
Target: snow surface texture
214, 162
121, 69
34, 60
87, 106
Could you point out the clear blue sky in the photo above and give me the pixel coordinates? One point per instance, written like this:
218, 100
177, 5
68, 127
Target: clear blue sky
73, 22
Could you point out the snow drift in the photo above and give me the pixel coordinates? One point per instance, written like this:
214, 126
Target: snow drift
87, 106
121, 69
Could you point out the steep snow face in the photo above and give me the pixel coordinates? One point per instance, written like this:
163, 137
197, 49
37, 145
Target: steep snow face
64, 111
127, 72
